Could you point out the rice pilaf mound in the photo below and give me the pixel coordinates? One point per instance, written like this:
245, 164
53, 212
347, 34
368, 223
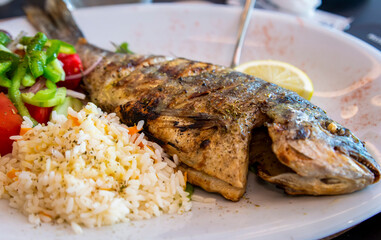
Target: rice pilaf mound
88, 169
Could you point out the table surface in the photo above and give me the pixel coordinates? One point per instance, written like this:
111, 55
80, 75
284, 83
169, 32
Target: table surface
366, 20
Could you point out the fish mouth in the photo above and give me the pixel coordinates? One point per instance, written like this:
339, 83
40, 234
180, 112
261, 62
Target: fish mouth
369, 165
299, 171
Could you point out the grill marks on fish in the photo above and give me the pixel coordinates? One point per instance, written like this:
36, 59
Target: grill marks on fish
180, 67
177, 91
208, 115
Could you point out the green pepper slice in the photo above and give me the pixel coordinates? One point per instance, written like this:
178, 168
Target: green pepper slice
5, 82
4, 48
51, 85
5, 66
44, 95
57, 99
36, 43
28, 80
35, 56
53, 50
9, 56
37, 61
4, 39
64, 46
25, 40
54, 71
14, 91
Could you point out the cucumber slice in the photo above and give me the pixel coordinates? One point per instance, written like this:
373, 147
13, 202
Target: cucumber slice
74, 103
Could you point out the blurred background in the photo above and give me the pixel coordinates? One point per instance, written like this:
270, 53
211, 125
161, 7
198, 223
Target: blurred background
361, 18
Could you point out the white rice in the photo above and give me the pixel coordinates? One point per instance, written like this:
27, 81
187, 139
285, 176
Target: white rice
87, 170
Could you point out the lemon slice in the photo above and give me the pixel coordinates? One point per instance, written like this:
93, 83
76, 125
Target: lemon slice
280, 73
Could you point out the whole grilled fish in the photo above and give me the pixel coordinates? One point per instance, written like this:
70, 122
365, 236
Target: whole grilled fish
216, 119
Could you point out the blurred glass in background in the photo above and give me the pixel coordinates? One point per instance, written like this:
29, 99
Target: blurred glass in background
3, 2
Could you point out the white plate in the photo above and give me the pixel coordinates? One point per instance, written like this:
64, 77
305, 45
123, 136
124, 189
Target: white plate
346, 74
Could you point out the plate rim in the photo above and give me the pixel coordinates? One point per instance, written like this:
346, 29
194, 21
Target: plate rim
291, 19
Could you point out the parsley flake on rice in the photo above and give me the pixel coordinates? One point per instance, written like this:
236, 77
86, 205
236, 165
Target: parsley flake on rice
89, 169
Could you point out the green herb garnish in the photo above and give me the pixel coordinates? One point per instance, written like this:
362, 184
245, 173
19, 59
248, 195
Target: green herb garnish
190, 189
122, 48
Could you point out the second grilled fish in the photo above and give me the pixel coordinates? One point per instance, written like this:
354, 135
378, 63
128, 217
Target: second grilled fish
215, 119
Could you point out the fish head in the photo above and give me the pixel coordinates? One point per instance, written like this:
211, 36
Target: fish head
319, 161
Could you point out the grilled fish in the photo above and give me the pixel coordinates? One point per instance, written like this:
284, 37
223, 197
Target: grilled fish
217, 120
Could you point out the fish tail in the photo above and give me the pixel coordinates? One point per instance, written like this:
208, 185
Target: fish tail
55, 20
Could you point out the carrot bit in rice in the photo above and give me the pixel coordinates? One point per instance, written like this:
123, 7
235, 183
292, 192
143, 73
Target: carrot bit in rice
74, 120
24, 130
12, 173
133, 130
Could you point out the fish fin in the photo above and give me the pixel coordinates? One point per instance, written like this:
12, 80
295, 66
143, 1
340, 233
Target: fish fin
56, 21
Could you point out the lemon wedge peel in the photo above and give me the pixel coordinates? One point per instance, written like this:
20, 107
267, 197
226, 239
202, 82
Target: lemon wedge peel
280, 73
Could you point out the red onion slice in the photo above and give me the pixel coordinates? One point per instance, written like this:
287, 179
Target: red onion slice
13, 45
36, 87
75, 94
87, 71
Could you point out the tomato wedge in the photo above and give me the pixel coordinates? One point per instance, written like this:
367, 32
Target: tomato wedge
40, 114
10, 124
72, 64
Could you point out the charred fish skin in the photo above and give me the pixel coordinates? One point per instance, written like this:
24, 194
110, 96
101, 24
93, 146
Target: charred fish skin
206, 115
